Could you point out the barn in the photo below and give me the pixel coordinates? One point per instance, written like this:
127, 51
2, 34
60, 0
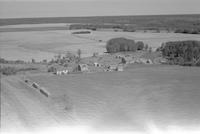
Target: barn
58, 69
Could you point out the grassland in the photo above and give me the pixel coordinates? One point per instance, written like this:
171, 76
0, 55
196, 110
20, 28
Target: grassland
129, 100
24, 110
45, 44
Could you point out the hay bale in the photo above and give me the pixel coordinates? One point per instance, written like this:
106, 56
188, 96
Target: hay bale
35, 85
44, 92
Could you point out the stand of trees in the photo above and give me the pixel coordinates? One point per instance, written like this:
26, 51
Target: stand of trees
188, 31
182, 52
67, 58
93, 26
82, 32
14, 70
123, 44
8, 70
4, 61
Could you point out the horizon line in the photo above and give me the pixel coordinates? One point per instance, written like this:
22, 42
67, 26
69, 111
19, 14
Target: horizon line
87, 16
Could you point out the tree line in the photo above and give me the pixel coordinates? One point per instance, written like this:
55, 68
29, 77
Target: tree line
188, 31
123, 44
182, 52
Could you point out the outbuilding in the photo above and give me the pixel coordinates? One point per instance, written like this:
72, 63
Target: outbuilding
149, 61
58, 69
62, 72
97, 64
120, 68
83, 67
113, 67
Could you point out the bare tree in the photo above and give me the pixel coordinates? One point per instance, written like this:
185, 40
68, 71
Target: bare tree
79, 53
33, 60
150, 49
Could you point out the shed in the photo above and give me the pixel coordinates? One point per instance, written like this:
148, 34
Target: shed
144, 61
97, 64
120, 68
83, 67
149, 61
59, 70
113, 67
163, 61
62, 72
119, 56
127, 60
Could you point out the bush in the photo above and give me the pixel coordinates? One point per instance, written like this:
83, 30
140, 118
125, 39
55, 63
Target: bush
140, 45
146, 47
195, 32
187, 31
27, 69
14, 70
82, 32
8, 70
123, 44
150, 49
52, 69
4, 61
198, 63
182, 52
129, 29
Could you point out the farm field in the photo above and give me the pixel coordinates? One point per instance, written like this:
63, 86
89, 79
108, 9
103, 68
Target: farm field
131, 100
24, 110
40, 45
152, 39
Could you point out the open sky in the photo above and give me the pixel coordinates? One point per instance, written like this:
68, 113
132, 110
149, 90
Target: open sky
62, 8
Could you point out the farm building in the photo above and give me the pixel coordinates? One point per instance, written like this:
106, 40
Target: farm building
163, 61
144, 61
113, 67
120, 68
58, 69
97, 64
119, 56
93, 69
132, 61
149, 61
127, 60
83, 67
62, 72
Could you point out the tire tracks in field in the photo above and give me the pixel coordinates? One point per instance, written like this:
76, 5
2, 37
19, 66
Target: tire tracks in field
33, 111
16, 105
